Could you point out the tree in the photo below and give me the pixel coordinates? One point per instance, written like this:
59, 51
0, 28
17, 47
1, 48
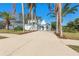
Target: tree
53, 25
66, 9
6, 16
23, 17
77, 21
14, 8
74, 24
55, 13
60, 19
31, 6
34, 5
14, 13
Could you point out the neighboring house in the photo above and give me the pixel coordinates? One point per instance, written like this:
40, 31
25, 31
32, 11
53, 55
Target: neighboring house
34, 24
45, 26
37, 25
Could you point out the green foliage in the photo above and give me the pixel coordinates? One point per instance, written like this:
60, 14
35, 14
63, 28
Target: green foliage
1, 24
66, 9
72, 26
5, 15
18, 28
69, 10
53, 25
68, 29
51, 14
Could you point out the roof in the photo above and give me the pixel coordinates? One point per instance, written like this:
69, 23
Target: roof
43, 22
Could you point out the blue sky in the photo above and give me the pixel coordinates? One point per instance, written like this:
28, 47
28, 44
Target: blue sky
41, 10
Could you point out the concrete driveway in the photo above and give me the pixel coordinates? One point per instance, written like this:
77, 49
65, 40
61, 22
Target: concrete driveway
40, 43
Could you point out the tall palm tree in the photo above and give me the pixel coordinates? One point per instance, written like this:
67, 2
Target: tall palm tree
14, 8
60, 19
30, 6
65, 11
34, 16
23, 17
34, 5
50, 6
6, 16
14, 13
56, 13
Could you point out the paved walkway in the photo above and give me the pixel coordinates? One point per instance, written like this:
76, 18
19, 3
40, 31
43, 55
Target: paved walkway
40, 43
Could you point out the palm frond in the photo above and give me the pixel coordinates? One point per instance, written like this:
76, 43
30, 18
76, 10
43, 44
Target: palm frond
69, 10
50, 6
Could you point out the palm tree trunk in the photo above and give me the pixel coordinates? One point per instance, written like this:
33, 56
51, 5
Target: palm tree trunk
60, 20
57, 30
31, 16
35, 16
14, 12
23, 17
7, 27
14, 9
7, 24
57, 18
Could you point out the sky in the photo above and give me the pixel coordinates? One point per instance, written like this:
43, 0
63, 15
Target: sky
41, 10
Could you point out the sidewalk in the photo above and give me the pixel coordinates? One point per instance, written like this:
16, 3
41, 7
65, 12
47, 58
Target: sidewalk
40, 43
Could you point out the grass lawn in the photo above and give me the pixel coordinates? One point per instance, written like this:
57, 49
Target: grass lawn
1, 37
14, 32
76, 48
72, 36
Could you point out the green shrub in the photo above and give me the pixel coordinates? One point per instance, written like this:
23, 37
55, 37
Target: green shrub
72, 30
53, 25
68, 29
18, 28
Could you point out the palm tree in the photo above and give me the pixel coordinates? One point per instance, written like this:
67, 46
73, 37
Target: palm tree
6, 16
34, 5
14, 8
30, 6
34, 17
23, 17
56, 13
14, 13
65, 11
50, 6
60, 19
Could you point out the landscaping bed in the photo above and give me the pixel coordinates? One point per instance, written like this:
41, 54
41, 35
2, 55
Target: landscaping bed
76, 48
